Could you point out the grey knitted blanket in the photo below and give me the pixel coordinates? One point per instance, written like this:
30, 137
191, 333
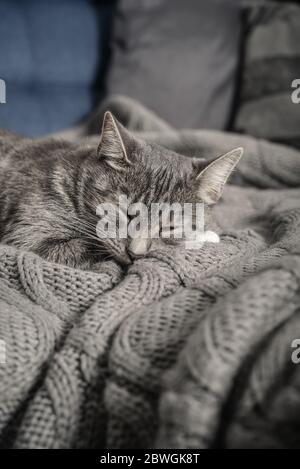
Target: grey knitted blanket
189, 349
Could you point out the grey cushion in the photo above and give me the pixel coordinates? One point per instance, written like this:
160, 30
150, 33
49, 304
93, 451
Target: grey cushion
272, 63
177, 57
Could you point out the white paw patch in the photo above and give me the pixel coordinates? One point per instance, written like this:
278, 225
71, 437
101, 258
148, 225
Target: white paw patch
210, 237
205, 237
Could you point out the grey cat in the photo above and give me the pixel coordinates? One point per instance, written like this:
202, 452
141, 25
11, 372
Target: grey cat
49, 191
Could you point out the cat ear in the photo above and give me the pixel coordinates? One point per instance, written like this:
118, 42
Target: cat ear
112, 143
213, 177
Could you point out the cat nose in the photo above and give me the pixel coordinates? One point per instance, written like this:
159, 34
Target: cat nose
138, 247
122, 258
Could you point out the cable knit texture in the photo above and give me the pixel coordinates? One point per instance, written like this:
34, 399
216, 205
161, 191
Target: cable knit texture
187, 349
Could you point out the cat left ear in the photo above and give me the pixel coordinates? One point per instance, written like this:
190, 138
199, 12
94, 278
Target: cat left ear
112, 143
213, 177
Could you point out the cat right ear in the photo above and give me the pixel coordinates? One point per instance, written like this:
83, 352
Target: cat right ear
112, 146
213, 177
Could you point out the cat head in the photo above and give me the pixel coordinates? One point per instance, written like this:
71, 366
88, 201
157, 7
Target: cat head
146, 173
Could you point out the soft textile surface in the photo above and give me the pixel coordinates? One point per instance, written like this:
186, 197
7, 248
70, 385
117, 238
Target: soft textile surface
187, 349
271, 63
178, 57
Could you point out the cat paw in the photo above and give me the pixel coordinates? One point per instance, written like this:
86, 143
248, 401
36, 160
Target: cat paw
210, 237
205, 237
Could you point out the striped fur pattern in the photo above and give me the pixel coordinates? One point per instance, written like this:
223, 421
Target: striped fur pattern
50, 190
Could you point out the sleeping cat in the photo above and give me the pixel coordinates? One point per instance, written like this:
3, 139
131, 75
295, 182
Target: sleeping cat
50, 189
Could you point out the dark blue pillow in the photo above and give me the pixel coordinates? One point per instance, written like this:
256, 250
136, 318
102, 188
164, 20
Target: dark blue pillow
52, 59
